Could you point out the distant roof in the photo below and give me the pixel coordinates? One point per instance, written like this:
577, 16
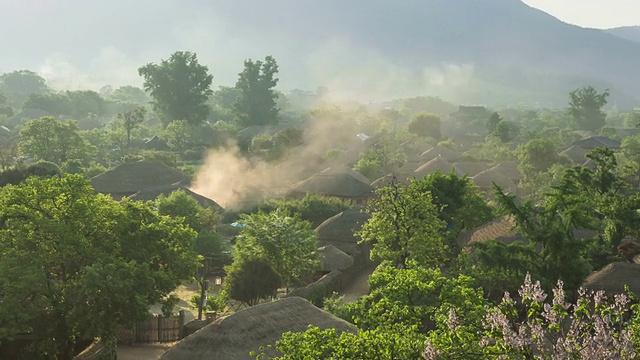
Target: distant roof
151, 194
597, 141
432, 166
235, 336
341, 227
341, 182
485, 180
334, 258
440, 151
129, 178
575, 153
501, 229
155, 143
471, 168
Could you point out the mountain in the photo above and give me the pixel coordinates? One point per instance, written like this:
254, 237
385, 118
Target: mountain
493, 52
631, 33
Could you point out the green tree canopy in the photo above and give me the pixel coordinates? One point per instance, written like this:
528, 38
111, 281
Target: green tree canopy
585, 106
286, 242
404, 226
74, 264
53, 140
249, 280
256, 104
180, 87
426, 125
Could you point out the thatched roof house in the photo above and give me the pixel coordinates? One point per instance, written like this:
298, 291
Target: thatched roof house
339, 182
485, 181
440, 151
235, 336
129, 178
334, 258
339, 229
501, 229
510, 169
471, 168
597, 141
432, 166
151, 194
613, 277
155, 143
575, 153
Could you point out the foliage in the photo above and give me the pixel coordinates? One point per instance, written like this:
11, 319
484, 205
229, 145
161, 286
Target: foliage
250, 279
592, 328
214, 303
395, 342
53, 140
287, 243
538, 155
19, 174
81, 104
426, 125
180, 87
84, 262
179, 205
256, 103
130, 120
404, 226
585, 106
380, 159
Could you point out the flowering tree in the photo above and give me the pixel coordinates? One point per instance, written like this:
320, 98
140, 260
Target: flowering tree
592, 328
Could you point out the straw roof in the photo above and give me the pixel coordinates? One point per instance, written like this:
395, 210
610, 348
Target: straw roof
510, 169
334, 258
151, 194
575, 153
597, 141
341, 182
485, 180
339, 229
613, 277
440, 151
471, 168
501, 229
235, 336
432, 166
129, 178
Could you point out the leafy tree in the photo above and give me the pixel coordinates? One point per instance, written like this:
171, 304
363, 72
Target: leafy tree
537, 155
74, 264
53, 140
426, 125
179, 205
585, 106
397, 342
493, 121
53, 103
180, 87
19, 174
404, 226
17, 85
286, 242
179, 135
380, 159
252, 279
130, 120
256, 104
129, 94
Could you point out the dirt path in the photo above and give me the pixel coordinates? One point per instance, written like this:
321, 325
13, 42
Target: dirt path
359, 286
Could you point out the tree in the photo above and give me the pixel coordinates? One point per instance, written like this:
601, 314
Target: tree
426, 125
130, 120
17, 85
249, 280
286, 242
493, 121
585, 106
180, 87
404, 226
53, 140
74, 264
537, 155
256, 104
180, 205
129, 94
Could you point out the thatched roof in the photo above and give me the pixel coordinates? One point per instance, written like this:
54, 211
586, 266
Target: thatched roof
575, 153
626, 132
339, 229
334, 258
151, 194
485, 181
510, 169
440, 151
129, 178
341, 182
597, 141
155, 143
501, 229
432, 166
235, 336
471, 168
613, 277
24, 115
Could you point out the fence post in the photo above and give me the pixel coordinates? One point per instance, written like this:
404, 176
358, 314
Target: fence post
181, 316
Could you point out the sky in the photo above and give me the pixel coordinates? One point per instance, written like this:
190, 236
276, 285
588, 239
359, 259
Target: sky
599, 14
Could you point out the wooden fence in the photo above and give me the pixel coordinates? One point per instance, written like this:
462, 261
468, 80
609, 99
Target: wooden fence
155, 329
